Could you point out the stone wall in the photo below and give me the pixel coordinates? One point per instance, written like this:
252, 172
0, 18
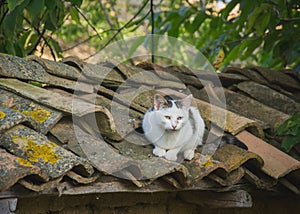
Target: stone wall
150, 203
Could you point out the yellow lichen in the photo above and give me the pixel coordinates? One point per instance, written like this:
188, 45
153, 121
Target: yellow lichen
32, 104
36, 152
209, 163
206, 161
15, 138
38, 114
23, 162
52, 144
2, 114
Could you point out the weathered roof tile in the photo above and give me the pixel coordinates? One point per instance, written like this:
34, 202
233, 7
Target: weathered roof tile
106, 164
40, 118
34, 147
14, 168
270, 97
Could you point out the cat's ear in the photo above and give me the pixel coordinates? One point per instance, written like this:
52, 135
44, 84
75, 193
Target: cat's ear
187, 101
159, 101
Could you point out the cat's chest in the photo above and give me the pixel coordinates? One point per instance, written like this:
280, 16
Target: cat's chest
173, 139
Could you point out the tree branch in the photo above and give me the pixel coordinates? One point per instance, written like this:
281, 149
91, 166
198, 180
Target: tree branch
112, 25
41, 35
297, 19
88, 22
119, 30
152, 31
4, 14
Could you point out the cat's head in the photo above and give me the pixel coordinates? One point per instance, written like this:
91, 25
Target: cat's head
173, 114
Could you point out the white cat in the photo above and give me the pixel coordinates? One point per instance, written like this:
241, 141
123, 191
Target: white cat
173, 127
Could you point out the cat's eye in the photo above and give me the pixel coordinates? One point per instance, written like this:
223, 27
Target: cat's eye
168, 117
179, 118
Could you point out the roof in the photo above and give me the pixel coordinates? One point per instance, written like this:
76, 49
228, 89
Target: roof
48, 145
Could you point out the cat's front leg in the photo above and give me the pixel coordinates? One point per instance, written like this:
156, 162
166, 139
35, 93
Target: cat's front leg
172, 154
159, 151
188, 154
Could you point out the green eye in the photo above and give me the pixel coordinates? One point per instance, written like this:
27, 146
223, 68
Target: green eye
179, 118
168, 117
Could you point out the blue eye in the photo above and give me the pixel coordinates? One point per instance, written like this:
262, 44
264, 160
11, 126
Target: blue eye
168, 117
179, 118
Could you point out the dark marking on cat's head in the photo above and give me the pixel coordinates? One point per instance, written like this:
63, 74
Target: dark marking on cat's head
168, 102
171, 101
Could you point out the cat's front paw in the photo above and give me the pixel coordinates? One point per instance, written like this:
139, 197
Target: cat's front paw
159, 152
188, 154
171, 155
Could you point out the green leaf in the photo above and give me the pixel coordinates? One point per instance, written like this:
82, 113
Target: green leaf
233, 54
290, 129
31, 41
252, 19
19, 50
137, 42
38, 84
171, 16
10, 20
270, 40
292, 122
12, 4
76, 2
175, 21
183, 11
262, 24
165, 28
9, 24
199, 19
35, 8
9, 47
49, 23
74, 14
246, 7
136, 22
50, 4
54, 17
289, 141
250, 46
55, 45
174, 30
22, 41
215, 23
229, 7
294, 130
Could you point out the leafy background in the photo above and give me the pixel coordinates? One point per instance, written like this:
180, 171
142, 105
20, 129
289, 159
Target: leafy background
262, 32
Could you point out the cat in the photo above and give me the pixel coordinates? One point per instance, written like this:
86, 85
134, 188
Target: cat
173, 127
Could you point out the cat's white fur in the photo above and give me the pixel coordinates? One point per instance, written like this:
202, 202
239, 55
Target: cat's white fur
173, 130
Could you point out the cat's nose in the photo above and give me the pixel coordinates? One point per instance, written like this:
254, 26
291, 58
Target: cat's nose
174, 127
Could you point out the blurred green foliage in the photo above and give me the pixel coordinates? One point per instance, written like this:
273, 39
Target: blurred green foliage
290, 130
262, 32
24, 24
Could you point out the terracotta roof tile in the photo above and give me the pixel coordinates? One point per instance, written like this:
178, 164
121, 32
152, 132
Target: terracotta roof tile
276, 163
